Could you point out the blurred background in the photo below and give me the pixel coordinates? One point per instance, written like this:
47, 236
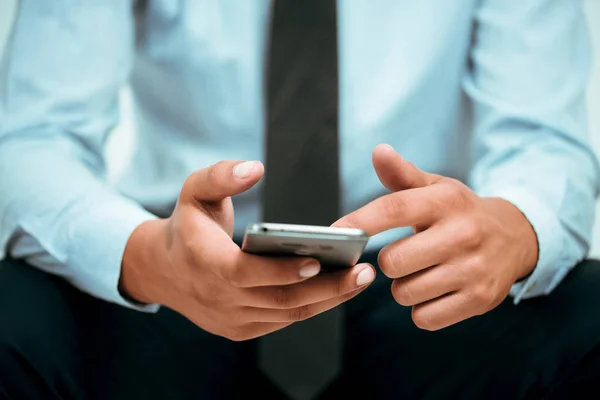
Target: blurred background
123, 139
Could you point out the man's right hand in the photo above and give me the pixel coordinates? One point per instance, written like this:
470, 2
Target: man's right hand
189, 262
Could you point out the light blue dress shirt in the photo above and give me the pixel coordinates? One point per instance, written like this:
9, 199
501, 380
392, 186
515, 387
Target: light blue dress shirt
487, 91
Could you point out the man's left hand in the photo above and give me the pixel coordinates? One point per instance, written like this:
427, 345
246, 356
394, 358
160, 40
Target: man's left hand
466, 253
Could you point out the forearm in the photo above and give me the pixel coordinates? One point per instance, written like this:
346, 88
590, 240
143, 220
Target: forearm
526, 79
58, 103
556, 191
58, 214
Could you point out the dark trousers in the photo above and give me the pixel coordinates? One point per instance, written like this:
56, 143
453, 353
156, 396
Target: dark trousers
56, 342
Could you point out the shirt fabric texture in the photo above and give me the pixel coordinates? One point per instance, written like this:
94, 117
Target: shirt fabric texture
490, 92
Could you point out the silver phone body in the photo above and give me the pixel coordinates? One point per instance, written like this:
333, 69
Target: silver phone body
333, 247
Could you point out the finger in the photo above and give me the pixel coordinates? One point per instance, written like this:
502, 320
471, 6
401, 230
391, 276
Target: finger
445, 311
323, 287
299, 313
258, 329
395, 173
245, 270
419, 251
428, 284
422, 206
221, 180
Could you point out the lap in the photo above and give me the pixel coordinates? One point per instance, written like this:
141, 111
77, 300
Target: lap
70, 345
527, 350
58, 342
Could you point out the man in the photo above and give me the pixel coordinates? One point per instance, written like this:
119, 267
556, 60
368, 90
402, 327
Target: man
488, 93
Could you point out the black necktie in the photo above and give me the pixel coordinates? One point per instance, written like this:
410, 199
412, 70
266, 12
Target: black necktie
302, 174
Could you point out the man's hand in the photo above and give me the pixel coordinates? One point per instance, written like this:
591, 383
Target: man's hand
189, 263
466, 253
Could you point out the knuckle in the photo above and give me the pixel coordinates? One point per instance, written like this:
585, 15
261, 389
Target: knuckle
481, 296
455, 191
212, 174
190, 182
469, 234
393, 205
285, 297
478, 264
218, 167
299, 313
215, 173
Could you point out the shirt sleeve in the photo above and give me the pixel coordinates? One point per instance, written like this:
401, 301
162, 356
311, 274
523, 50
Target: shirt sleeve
526, 79
60, 76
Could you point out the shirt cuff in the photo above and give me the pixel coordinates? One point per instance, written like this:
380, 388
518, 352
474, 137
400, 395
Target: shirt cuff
549, 271
99, 253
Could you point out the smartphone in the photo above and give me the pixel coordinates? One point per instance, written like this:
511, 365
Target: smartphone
335, 248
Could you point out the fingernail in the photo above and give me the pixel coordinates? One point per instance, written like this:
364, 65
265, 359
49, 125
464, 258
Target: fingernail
388, 146
365, 276
310, 269
244, 169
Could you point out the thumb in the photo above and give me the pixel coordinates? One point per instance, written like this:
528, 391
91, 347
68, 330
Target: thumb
221, 180
398, 174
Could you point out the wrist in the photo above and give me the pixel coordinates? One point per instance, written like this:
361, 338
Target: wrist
524, 236
144, 255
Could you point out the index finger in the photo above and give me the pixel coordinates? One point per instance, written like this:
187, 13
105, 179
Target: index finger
399, 209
